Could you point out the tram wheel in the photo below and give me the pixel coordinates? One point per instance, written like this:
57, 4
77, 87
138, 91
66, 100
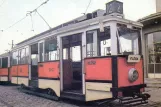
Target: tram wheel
50, 92
22, 86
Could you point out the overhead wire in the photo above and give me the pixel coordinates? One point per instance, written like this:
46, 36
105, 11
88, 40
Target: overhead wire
2, 3
87, 6
32, 24
43, 19
29, 13
15, 23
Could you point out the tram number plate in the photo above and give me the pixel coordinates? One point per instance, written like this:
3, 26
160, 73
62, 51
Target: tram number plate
91, 62
133, 58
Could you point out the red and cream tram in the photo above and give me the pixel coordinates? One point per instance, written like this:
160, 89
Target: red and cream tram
93, 57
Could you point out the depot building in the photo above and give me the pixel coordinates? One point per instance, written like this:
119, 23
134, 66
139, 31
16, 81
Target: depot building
151, 42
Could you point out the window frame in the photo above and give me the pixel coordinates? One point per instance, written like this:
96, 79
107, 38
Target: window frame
0, 62
6, 66
95, 43
138, 39
16, 51
48, 53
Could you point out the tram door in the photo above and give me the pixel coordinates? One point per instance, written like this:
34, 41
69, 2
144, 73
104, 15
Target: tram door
72, 63
34, 65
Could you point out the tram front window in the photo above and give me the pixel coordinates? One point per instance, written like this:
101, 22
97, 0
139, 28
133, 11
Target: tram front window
128, 40
105, 42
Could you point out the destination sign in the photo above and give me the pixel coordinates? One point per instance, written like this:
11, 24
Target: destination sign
133, 58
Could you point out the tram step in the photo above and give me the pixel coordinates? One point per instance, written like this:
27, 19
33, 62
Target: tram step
135, 104
132, 101
39, 94
33, 83
73, 96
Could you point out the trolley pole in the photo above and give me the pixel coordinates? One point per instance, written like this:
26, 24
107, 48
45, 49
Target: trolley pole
12, 44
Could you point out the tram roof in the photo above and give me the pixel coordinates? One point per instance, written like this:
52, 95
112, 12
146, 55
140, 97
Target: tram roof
52, 31
4, 55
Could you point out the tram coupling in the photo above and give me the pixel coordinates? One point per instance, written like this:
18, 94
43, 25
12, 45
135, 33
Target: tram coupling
137, 99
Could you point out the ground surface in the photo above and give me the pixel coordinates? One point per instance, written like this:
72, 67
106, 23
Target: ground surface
11, 97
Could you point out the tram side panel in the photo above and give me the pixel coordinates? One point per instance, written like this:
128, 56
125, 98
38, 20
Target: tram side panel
48, 74
98, 78
14, 74
23, 75
123, 69
123, 75
4, 74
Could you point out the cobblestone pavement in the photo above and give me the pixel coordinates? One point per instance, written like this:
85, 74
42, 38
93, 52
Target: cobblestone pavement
155, 100
10, 96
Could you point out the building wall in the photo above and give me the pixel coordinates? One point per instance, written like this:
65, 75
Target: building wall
158, 5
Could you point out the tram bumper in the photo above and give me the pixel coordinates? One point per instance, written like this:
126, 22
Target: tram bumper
130, 91
131, 95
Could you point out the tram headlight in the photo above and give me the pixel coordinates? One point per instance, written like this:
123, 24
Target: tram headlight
133, 75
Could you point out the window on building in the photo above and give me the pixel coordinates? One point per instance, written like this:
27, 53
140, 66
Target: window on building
5, 62
51, 52
154, 52
15, 58
104, 41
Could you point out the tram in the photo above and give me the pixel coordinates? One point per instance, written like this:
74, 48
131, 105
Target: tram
5, 68
93, 57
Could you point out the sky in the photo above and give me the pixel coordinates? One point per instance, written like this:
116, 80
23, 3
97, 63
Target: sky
55, 12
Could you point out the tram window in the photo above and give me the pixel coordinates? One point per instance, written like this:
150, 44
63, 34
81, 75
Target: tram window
15, 58
76, 54
34, 59
105, 42
51, 52
65, 53
41, 51
27, 55
22, 56
91, 49
65, 43
5, 62
0, 63
128, 40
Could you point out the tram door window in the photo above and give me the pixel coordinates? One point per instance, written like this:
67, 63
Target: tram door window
104, 39
72, 63
34, 65
91, 40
